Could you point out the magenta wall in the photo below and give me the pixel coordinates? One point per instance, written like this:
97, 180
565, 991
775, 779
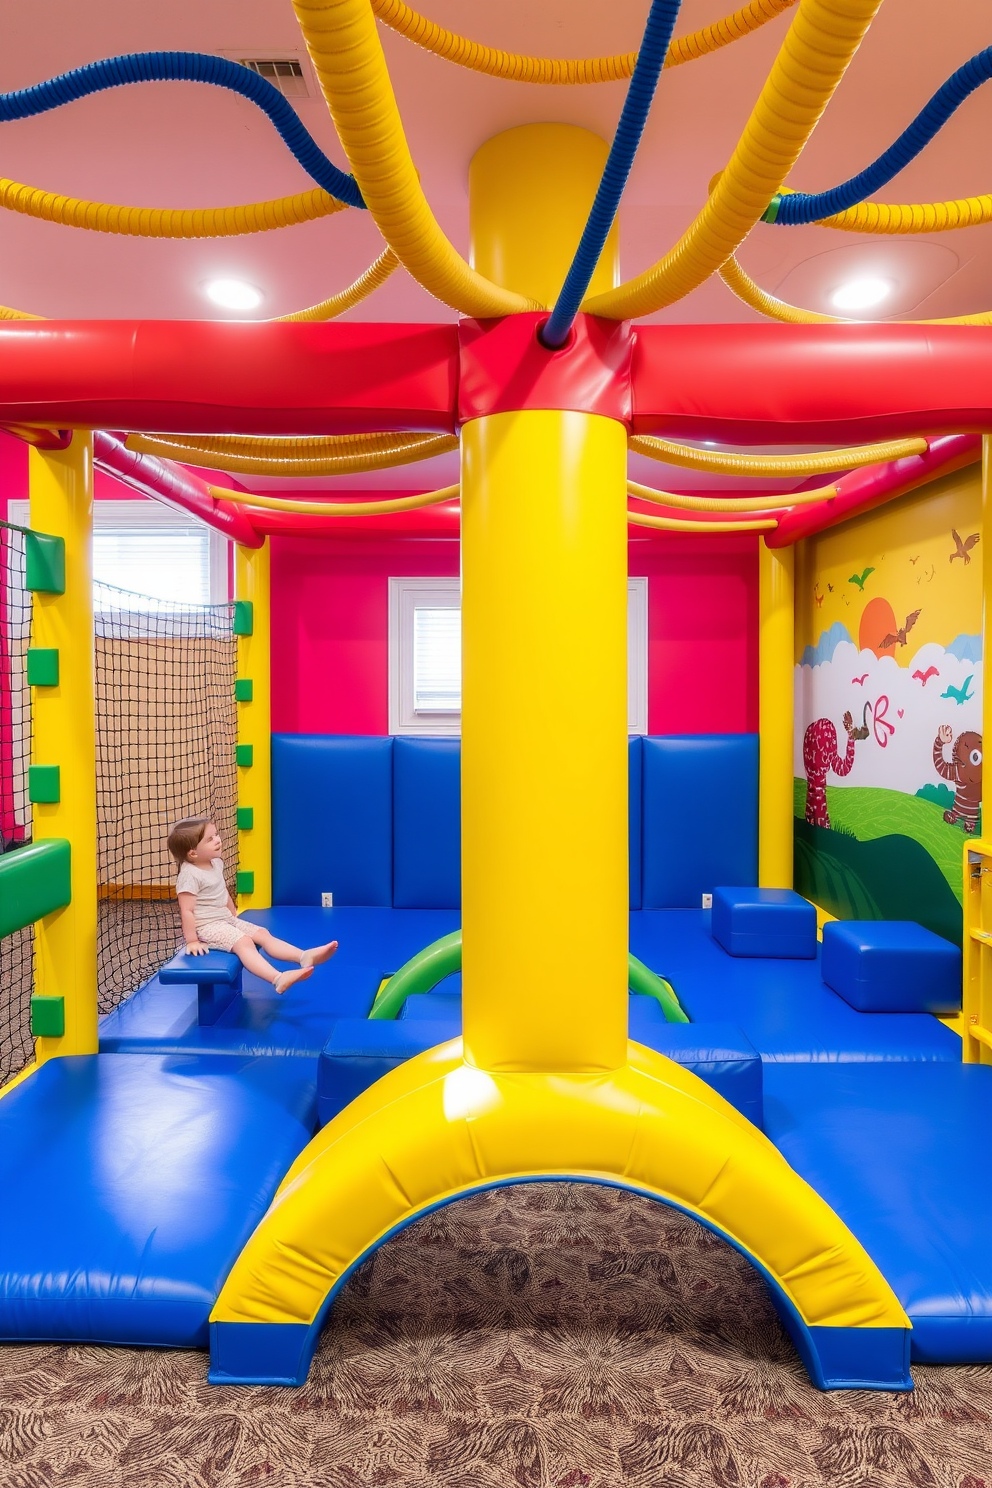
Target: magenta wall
330, 630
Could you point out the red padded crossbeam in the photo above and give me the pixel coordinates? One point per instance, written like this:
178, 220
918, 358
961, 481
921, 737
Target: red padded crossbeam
830, 384
212, 377
173, 485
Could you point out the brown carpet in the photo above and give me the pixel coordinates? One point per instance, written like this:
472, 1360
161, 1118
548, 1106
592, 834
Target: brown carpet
548, 1336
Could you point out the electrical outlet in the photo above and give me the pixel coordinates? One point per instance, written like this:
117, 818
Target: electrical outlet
707, 901
327, 901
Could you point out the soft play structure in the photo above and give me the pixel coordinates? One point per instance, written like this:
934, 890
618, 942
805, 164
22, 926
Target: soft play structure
546, 969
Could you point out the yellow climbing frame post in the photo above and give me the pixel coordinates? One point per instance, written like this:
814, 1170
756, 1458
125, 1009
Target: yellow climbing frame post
976, 995
776, 660
62, 780
252, 691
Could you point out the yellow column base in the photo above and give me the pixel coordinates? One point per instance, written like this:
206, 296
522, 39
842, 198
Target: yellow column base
438, 1128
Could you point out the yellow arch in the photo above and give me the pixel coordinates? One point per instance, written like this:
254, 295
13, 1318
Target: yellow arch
438, 1128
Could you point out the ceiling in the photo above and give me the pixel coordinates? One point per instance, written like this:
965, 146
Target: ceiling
180, 144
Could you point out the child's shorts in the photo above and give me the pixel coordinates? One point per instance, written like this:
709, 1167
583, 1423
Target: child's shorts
222, 934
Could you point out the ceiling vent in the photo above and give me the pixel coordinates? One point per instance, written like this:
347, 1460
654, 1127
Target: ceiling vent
285, 73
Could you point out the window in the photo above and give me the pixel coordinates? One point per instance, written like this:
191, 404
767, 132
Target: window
425, 656
153, 551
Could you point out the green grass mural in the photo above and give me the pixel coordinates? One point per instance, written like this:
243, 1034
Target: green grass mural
886, 855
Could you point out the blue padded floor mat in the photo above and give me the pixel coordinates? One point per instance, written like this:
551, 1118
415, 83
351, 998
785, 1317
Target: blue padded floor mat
128, 1187
783, 1007
897, 1151
373, 944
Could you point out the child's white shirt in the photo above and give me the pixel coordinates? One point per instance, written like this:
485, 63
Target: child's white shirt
210, 889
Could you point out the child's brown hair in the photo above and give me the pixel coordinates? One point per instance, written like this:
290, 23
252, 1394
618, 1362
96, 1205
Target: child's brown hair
186, 835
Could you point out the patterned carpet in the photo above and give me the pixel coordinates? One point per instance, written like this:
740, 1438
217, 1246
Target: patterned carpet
549, 1336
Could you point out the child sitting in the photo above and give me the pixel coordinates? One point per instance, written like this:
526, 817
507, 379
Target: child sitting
210, 918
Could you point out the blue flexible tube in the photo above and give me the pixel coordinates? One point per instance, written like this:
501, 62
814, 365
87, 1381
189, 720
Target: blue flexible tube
799, 206
190, 67
636, 107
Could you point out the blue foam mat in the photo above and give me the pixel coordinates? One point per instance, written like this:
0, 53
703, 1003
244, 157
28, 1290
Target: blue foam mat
138, 1181
373, 944
896, 1150
783, 1006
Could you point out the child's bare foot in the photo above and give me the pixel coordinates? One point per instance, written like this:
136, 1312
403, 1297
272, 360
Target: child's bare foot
286, 979
319, 954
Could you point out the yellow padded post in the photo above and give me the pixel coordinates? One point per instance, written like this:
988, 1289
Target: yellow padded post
776, 659
544, 741
61, 490
251, 583
530, 190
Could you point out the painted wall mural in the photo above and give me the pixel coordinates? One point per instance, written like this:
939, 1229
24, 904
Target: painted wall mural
888, 747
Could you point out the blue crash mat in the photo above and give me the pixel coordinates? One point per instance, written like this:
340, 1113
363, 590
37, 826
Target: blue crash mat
130, 1183
783, 1007
898, 1150
373, 944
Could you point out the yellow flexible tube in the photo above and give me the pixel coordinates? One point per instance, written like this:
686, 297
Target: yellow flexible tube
910, 217
416, 447
377, 273
675, 524
744, 287
343, 43
814, 56
721, 504
524, 69
337, 508
722, 462
295, 447
168, 222
8, 313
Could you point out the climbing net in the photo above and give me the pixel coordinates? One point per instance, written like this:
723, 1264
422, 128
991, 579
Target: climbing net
165, 737
16, 951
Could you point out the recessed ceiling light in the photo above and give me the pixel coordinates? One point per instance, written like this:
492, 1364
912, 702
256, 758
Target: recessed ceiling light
861, 294
233, 294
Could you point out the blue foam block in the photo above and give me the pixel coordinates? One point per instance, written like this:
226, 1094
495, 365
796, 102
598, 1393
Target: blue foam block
684, 855
718, 1053
427, 824
891, 966
883, 1144
332, 819
216, 977
132, 1182
635, 772
777, 923
362, 1050
783, 1007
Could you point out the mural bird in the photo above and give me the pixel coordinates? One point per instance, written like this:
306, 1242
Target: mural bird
860, 680
962, 549
960, 694
899, 639
924, 677
860, 578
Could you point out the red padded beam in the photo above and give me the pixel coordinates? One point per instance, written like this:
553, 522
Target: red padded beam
172, 484
779, 384
215, 377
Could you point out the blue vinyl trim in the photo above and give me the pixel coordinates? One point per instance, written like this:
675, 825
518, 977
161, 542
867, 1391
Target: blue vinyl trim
189, 67
835, 1358
636, 107
797, 207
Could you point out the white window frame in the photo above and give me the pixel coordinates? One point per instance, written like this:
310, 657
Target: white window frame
133, 516
406, 594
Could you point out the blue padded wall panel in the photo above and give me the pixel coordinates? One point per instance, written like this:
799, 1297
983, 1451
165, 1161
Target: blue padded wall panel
634, 754
427, 855
332, 819
700, 817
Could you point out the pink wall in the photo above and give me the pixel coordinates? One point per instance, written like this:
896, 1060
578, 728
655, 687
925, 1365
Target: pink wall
330, 630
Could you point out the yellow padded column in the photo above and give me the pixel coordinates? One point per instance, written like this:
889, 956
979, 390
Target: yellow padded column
776, 660
544, 741
61, 490
530, 190
254, 748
